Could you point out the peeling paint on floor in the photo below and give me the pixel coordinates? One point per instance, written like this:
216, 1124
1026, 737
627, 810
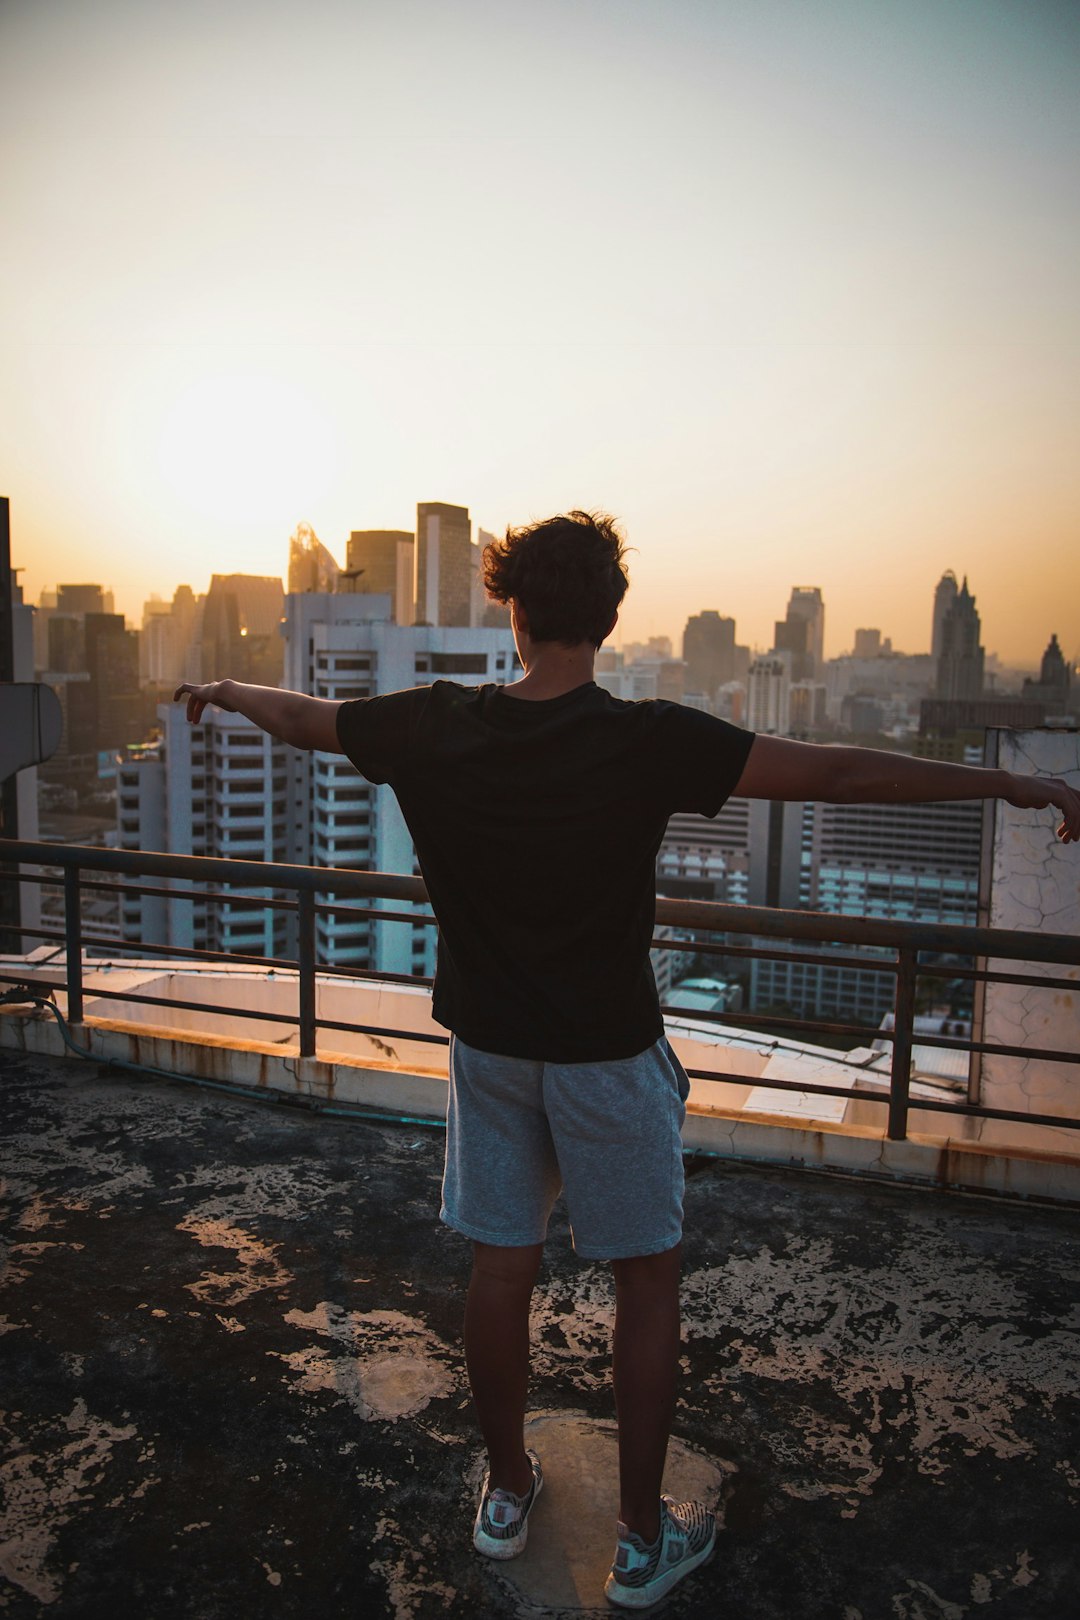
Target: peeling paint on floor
233, 1386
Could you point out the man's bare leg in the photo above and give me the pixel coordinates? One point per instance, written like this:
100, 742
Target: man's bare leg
645, 1366
497, 1356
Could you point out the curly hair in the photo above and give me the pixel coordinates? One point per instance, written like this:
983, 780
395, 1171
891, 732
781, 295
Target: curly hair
567, 572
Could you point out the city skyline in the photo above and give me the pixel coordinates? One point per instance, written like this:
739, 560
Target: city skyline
787, 288
622, 635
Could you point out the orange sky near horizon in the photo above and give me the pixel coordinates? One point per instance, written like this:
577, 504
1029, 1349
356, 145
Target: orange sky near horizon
786, 287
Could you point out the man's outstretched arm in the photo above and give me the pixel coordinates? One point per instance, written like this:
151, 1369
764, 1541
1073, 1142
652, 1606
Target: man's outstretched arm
305, 722
778, 768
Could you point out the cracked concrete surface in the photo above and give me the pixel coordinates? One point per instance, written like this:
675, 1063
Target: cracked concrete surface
232, 1382
1035, 885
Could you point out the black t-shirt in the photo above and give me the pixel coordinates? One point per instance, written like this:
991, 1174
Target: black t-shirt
536, 825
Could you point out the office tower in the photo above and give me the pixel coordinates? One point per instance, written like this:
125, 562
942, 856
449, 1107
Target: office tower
311, 566
379, 562
960, 660
944, 597
442, 590
1054, 687
81, 599
239, 630
867, 644
807, 605
168, 632
112, 662
768, 695
708, 651
792, 636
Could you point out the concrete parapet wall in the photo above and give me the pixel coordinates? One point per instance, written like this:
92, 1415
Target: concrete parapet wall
420, 1092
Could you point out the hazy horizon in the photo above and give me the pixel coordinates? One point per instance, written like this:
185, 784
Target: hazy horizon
787, 287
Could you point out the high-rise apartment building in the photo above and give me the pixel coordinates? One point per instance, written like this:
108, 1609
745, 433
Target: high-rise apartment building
345, 646
768, 695
443, 561
380, 562
219, 788
909, 862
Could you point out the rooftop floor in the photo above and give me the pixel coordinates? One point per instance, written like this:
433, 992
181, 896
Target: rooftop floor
233, 1384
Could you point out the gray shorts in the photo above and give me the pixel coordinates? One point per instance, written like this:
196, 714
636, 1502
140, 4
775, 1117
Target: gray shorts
519, 1131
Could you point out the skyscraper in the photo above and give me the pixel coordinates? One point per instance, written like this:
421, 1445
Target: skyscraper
944, 597
380, 562
960, 660
806, 603
443, 564
708, 651
311, 565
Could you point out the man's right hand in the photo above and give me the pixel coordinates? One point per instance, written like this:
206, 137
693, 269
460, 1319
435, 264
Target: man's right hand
199, 696
1040, 792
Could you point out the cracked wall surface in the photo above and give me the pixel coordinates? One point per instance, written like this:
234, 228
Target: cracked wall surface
1035, 884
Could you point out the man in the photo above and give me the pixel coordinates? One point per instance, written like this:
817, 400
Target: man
537, 810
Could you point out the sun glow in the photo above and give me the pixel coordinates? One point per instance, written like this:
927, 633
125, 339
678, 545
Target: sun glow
243, 448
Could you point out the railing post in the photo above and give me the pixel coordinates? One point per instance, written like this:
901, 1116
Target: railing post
73, 944
903, 1027
305, 917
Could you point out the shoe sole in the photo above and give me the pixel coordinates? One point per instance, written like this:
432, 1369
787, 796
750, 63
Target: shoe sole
643, 1597
489, 1547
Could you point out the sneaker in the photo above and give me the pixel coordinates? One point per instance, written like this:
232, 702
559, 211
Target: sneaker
502, 1519
641, 1575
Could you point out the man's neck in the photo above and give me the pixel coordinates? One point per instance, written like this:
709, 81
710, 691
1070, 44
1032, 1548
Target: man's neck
551, 670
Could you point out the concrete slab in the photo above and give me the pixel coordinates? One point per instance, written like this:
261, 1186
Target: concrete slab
571, 1529
232, 1387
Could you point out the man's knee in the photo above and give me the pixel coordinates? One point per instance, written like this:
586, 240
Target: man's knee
512, 1266
650, 1271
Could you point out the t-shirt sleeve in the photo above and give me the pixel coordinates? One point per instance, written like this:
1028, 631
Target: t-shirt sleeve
377, 733
703, 758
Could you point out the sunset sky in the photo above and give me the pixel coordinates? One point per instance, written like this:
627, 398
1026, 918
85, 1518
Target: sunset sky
790, 286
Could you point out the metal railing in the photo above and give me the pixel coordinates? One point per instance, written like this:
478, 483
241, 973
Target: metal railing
715, 930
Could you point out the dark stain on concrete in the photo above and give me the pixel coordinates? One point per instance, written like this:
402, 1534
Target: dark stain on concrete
232, 1383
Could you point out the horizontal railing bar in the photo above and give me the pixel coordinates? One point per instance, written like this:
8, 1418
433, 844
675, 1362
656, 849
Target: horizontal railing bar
95, 993
982, 1111
32, 933
766, 1083
984, 976
739, 1020
709, 916
372, 913
217, 896
951, 1043
216, 869
871, 964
